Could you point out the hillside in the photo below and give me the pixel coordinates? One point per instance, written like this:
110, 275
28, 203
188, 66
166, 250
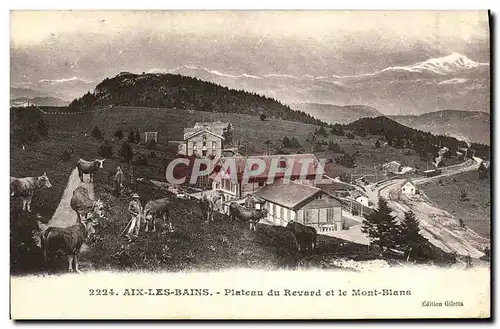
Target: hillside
451, 123
337, 114
474, 209
180, 92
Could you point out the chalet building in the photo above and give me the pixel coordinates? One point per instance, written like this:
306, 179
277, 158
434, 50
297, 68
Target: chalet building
409, 188
205, 139
361, 198
302, 203
237, 188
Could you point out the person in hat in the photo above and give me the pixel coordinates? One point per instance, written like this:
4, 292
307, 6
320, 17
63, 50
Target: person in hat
135, 210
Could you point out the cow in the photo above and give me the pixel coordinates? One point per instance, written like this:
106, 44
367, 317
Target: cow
155, 209
89, 167
306, 235
118, 180
84, 206
66, 241
210, 202
26, 187
242, 214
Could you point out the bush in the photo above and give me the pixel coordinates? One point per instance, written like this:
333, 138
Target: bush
347, 160
140, 160
334, 147
464, 196
317, 148
337, 130
96, 133
105, 150
126, 152
349, 135
152, 155
151, 145
119, 134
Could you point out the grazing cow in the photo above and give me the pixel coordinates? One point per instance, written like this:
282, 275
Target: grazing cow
84, 206
306, 235
26, 187
118, 180
58, 241
155, 209
89, 167
242, 214
210, 202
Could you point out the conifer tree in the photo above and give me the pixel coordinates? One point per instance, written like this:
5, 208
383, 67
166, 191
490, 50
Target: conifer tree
410, 238
381, 227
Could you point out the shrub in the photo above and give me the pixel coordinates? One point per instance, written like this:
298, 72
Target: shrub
96, 133
140, 160
119, 134
126, 152
151, 144
464, 196
334, 147
105, 150
152, 155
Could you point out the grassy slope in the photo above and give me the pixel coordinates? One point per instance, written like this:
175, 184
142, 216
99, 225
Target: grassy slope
475, 212
210, 246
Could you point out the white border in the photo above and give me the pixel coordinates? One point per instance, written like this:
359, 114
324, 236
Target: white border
189, 4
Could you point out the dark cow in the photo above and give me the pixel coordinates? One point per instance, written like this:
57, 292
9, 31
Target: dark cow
118, 180
84, 206
306, 235
67, 241
209, 203
242, 214
89, 167
26, 187
155, 209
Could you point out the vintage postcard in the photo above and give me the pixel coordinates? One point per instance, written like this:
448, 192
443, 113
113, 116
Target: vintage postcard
250, 164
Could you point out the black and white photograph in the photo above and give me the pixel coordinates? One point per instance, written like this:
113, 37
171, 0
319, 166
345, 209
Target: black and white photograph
333, 145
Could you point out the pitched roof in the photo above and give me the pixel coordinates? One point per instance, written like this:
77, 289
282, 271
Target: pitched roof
191, 132
296, 160
408, 181
324, 202
290, 195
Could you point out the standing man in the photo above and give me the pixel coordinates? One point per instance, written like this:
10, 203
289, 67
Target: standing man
135, 210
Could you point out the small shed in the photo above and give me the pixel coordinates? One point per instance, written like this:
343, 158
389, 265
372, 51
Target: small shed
150, 135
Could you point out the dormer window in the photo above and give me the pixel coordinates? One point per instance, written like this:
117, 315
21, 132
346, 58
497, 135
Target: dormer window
194, 145
282, 163
204, 138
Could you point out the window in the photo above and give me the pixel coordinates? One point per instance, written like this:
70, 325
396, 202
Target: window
214, 145
330, 215
204, 153
204, 143
194, 145
282, 163
307, 216
214, 152
282, 213
204, 138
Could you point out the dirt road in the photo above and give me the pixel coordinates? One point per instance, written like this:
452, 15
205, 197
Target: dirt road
64, 215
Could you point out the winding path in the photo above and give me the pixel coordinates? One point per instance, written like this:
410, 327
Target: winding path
64, 215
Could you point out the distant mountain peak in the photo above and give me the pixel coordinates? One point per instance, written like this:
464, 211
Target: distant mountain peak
452, 63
